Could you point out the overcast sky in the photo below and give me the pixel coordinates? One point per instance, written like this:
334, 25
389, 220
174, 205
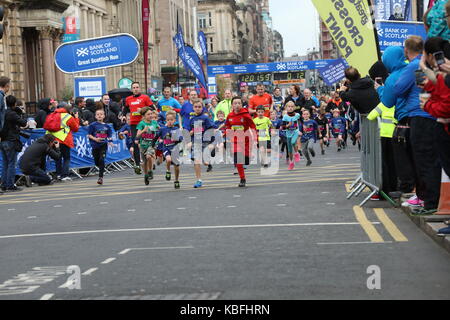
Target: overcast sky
297, 21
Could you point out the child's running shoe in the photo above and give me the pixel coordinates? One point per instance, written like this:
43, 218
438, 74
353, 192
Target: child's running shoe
323, 152
209, 168
177, 184
168, 175
150, 175
198, 184
242, 183
297, 157
308, 163
137, 170
291, 166
100, 181
313, 153
146, 180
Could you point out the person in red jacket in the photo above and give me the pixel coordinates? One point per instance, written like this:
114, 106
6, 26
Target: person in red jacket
241, 132
133, 105
70, 122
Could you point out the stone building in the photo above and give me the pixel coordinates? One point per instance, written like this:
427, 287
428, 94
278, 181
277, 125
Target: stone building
34, 30
278, 46
250, 13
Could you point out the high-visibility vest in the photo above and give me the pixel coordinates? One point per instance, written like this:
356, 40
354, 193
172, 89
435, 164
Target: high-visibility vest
65, 129
387, 123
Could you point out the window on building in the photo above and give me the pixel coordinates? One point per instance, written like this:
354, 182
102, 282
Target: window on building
211, 44
202, 20
210, 19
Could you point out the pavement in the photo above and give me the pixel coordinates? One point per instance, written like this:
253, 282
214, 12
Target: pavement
292, 235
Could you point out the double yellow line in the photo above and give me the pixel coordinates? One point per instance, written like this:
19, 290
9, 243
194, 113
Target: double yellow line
373, 234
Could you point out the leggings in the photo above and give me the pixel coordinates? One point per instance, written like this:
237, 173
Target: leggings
291, 142
308, 147
99, 155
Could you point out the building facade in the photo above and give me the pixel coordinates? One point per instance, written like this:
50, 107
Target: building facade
34, 30
278, 46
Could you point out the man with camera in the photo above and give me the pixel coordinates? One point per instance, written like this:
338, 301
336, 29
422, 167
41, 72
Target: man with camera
61, 124
10, 144
33, 161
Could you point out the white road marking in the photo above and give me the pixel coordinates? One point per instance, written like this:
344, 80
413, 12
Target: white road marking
109, 260
331, 204
31, 217
131, 210
47, 296
191, 198
282, 194
231, 206
124, 251
236, 196
181, 208
148, 200
12, 209
57, 206
80, 213
343, 243
281, 205
89, 271
325, 192
103, 202
31, 235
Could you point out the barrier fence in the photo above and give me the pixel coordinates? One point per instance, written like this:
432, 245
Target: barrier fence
371, 161
81, 155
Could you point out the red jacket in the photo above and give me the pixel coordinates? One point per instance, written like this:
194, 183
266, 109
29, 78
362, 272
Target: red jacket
74, 125
439, 103
243, 122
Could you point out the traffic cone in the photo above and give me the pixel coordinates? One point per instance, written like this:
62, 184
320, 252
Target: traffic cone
444, 202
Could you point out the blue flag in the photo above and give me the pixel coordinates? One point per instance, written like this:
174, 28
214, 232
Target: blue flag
191, 59
203, 46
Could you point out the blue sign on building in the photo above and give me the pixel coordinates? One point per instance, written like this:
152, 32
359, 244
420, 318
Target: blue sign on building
99, 53
393, 33
90, 87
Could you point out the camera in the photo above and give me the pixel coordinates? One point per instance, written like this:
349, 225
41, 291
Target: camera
440, 57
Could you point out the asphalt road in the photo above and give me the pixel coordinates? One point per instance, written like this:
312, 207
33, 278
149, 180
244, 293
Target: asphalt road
292, 235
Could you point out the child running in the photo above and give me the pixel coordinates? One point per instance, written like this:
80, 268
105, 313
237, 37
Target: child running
276, 125
220, 134
263, 126
100, 136
338, 127
241, 123
125, 133
292, 126
322, 121
170, 136
198, 126
310, 130
146, 138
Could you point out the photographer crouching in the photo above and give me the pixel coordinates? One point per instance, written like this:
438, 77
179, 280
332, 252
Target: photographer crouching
33, 161
10, 144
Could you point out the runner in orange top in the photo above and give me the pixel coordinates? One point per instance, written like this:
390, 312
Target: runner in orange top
261, 99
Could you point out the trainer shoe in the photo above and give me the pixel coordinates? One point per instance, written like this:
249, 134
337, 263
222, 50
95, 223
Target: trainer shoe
291, 166
28, 183
13, 189
313, 153
375, 197
308, 163
209, 168
146, 180
198, 184
177, 184
297, 157
137, 170
323, 152
242, 183
168, 175
266, 166
150, 175
100, 181
66, 179
444, 232
422, 211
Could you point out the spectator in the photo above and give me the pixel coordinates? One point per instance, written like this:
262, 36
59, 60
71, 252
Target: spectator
278, 101
295, 96
111, 112
359, 91
438, 105
70, 123
89, 111
45, 108
79, 106
167, 103
435, 20
422, 124
4, 88
225, 104
33, 161
10, 144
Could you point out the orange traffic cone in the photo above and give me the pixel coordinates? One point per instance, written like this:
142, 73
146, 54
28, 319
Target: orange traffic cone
444, 202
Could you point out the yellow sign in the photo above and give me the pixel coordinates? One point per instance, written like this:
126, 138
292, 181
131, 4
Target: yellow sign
350, 25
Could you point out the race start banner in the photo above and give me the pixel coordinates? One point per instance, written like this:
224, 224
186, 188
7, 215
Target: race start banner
350, 25
81, 155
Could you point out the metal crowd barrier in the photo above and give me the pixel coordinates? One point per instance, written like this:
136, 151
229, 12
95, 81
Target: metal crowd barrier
371, 162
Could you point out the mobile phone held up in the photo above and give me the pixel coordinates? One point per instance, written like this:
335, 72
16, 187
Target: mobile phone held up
439, 57
420, 77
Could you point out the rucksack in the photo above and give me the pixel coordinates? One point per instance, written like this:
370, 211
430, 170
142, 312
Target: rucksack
53, 122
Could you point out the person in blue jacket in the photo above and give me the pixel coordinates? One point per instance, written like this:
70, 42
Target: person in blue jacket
165, 104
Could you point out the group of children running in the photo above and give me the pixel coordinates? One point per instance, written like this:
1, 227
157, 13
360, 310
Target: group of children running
161, 140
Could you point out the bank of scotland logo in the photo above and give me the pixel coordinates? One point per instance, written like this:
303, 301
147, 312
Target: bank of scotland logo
281, 66
82, 52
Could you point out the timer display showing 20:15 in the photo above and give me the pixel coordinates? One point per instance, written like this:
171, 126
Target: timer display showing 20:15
255, 77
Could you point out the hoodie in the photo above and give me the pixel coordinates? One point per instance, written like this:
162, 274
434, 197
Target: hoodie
394, 61
406, 88
361, 95
44, 111
241, 121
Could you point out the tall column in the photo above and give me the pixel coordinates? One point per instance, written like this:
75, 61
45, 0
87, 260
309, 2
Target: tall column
100, 24
47, 62
84, 22
59, 76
